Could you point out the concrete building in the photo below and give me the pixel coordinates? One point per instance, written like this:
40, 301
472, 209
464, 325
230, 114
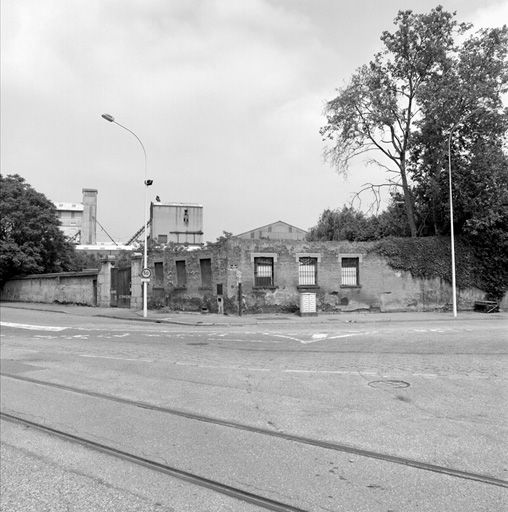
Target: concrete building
89, 223
180, 223
78, 220
279, 230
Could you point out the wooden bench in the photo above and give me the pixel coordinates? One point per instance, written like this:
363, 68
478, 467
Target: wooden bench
486, 306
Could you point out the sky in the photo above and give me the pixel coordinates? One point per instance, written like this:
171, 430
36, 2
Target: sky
227, 97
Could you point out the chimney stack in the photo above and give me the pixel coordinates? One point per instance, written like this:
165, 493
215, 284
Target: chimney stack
89, 222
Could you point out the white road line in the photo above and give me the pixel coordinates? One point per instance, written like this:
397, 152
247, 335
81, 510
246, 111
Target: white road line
33, 327
345, 335
117, 358
333, 372
217, 367
283, 336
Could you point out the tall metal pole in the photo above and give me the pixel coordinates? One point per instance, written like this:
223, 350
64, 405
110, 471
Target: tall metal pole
452, 236
111, 119
454, 286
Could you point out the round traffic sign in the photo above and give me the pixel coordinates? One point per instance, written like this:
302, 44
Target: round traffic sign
146, 273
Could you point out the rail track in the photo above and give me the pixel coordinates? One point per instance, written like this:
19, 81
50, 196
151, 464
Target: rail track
245, 496
233, 492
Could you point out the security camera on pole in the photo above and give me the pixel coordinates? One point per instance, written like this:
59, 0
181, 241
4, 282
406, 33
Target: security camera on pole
145, 273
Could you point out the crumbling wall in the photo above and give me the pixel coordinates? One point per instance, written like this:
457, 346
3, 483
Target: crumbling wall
380, 287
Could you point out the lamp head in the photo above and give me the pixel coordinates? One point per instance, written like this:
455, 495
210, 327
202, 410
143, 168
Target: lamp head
108, 117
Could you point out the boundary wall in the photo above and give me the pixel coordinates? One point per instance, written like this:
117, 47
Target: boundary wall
179, 281
64, 287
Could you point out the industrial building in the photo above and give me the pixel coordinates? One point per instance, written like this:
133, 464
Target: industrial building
78, 220
180, 223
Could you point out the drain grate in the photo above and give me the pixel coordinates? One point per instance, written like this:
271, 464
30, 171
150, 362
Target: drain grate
388, 384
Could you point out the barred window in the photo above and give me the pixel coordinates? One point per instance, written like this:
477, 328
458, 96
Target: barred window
349, 272
307, 271
263, 271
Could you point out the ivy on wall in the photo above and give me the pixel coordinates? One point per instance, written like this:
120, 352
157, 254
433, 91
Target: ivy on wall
430, 257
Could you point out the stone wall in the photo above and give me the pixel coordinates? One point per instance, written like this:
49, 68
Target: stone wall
64, 287
194, 295
380, 287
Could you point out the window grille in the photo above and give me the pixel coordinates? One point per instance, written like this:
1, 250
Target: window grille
263, 271
349, 272
307, 271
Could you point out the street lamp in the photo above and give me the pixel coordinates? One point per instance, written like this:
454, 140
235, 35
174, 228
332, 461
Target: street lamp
454, 286
147, 183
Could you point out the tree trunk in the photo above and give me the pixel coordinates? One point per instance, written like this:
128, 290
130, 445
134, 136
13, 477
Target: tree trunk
408, 202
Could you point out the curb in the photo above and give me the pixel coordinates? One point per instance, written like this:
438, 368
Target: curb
296, 321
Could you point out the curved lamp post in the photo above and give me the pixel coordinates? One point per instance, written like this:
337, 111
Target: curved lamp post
454, 286
147, 182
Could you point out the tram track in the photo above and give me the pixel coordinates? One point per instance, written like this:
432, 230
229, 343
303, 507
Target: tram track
192, 478
338, 447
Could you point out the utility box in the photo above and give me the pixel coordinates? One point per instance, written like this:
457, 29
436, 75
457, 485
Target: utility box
308, 304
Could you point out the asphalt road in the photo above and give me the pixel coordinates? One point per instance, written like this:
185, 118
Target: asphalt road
431, 393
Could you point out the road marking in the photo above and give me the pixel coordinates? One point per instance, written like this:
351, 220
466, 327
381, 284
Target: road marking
33, 327
117, 358
345, 335
319, 336
217, 367
333, 372
283, 336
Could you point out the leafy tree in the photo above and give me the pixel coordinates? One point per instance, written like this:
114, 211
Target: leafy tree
31, 241
426, 88
378, 110
465, 103
346, 224
353, 225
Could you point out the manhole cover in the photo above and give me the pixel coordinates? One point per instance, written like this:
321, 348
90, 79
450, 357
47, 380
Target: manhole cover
388, 384
197, 343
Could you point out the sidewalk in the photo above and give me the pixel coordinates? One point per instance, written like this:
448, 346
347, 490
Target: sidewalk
210, 319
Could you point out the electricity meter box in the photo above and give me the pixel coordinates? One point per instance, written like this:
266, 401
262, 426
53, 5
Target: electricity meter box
308, 304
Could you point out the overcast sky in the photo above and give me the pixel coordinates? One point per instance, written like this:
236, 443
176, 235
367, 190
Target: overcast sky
226, 95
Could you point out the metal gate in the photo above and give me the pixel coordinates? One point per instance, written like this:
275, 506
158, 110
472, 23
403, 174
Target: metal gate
121, 287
